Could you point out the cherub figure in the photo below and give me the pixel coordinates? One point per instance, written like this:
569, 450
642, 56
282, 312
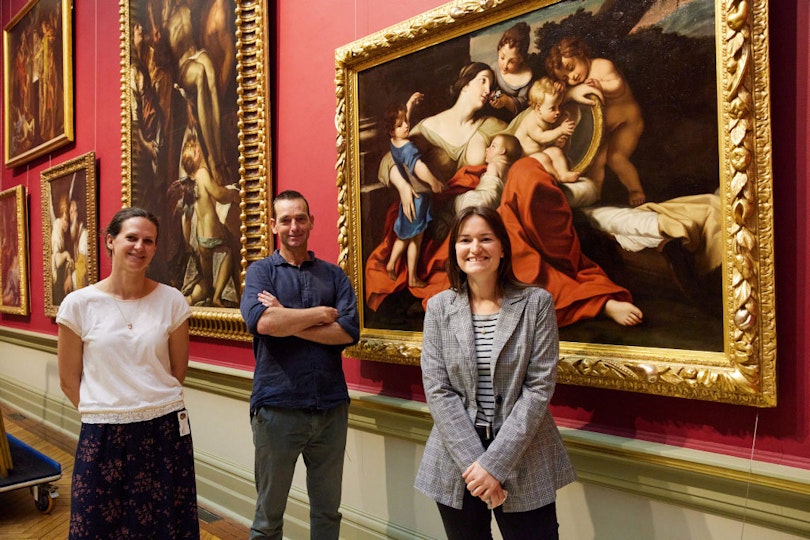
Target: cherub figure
211, 234
571, 62
544, 131
418, 187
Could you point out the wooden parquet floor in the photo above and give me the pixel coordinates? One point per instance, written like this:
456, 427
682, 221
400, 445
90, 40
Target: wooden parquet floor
19, 518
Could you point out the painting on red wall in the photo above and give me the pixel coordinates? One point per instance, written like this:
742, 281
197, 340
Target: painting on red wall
69, 229
190, 127
14, 252
38, 80
629, 145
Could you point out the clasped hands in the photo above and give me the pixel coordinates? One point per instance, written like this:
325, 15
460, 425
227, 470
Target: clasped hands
483, 485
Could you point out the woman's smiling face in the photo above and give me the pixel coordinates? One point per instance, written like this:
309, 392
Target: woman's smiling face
478, 249
135, 245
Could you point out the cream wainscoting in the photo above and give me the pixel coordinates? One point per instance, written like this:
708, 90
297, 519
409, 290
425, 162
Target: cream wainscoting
627, 488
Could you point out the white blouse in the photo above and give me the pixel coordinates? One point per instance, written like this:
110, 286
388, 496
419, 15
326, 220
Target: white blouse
126, 372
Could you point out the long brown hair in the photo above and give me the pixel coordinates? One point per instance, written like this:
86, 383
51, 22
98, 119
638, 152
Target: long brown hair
506, 275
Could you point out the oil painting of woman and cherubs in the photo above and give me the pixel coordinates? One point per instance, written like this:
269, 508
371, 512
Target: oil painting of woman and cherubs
597, 129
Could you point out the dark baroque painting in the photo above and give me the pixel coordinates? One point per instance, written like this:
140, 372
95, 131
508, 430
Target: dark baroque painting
38, 80
180, 99
184, 142
14, 251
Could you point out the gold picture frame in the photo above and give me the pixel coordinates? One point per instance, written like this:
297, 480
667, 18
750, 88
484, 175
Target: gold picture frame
708, 336
164, 109
38, 80
14, 295
69, 228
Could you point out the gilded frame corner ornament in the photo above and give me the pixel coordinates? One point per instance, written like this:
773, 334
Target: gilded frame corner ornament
245, 163
742, 367
69, 228
14, 281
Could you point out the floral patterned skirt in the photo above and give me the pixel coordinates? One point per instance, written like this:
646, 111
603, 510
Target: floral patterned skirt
134, 481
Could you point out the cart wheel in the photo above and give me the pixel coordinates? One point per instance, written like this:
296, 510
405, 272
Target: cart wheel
44, 501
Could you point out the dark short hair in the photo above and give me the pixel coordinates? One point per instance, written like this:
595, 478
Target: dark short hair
114, 228
506, 275
289, 195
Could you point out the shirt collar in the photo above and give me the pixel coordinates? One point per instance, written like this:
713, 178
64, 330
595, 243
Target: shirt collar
278, 260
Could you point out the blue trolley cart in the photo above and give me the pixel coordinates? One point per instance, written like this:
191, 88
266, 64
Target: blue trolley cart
33, 470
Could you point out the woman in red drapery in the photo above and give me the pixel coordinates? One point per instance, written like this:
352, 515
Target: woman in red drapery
545, 246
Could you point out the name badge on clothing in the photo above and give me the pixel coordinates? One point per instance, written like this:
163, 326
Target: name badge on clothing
182, 419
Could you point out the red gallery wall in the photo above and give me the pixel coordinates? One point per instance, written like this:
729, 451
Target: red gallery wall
307, 33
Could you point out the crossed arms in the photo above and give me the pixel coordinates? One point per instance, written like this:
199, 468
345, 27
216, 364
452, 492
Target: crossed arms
318, 324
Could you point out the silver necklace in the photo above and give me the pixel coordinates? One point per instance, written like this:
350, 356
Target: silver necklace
126, 320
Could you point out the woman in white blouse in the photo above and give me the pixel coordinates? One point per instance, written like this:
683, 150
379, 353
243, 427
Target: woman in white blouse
123, 355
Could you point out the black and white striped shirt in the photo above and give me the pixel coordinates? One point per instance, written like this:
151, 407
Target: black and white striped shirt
484, 326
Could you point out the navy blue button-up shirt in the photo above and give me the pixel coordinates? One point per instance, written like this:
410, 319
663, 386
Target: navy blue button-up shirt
292, 372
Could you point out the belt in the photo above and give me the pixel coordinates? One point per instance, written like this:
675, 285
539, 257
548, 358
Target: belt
485, 432
313, 410
305, 410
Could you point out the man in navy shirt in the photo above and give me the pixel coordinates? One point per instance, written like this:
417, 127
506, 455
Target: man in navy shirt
302, 312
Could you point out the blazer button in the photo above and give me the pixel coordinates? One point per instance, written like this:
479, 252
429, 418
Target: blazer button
498, 400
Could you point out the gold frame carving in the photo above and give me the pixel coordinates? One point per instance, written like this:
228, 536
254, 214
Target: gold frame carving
59, 182
20, 234
254, 145
744, 371
33, 143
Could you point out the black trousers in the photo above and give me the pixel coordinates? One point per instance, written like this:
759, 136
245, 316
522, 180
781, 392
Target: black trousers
473, 521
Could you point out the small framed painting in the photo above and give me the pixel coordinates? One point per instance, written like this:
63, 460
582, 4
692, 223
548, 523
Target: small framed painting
69, 230
38, 80
14, 252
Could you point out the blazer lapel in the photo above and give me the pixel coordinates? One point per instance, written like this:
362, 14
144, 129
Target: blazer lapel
459, 321
514, 302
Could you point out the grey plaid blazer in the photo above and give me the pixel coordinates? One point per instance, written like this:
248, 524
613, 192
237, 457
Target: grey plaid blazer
527, 455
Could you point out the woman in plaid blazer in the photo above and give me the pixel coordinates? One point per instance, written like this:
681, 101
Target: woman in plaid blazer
489, 364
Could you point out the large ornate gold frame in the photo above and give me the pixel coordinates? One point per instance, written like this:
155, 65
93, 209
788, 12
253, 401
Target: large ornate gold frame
745, 372
253, 106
